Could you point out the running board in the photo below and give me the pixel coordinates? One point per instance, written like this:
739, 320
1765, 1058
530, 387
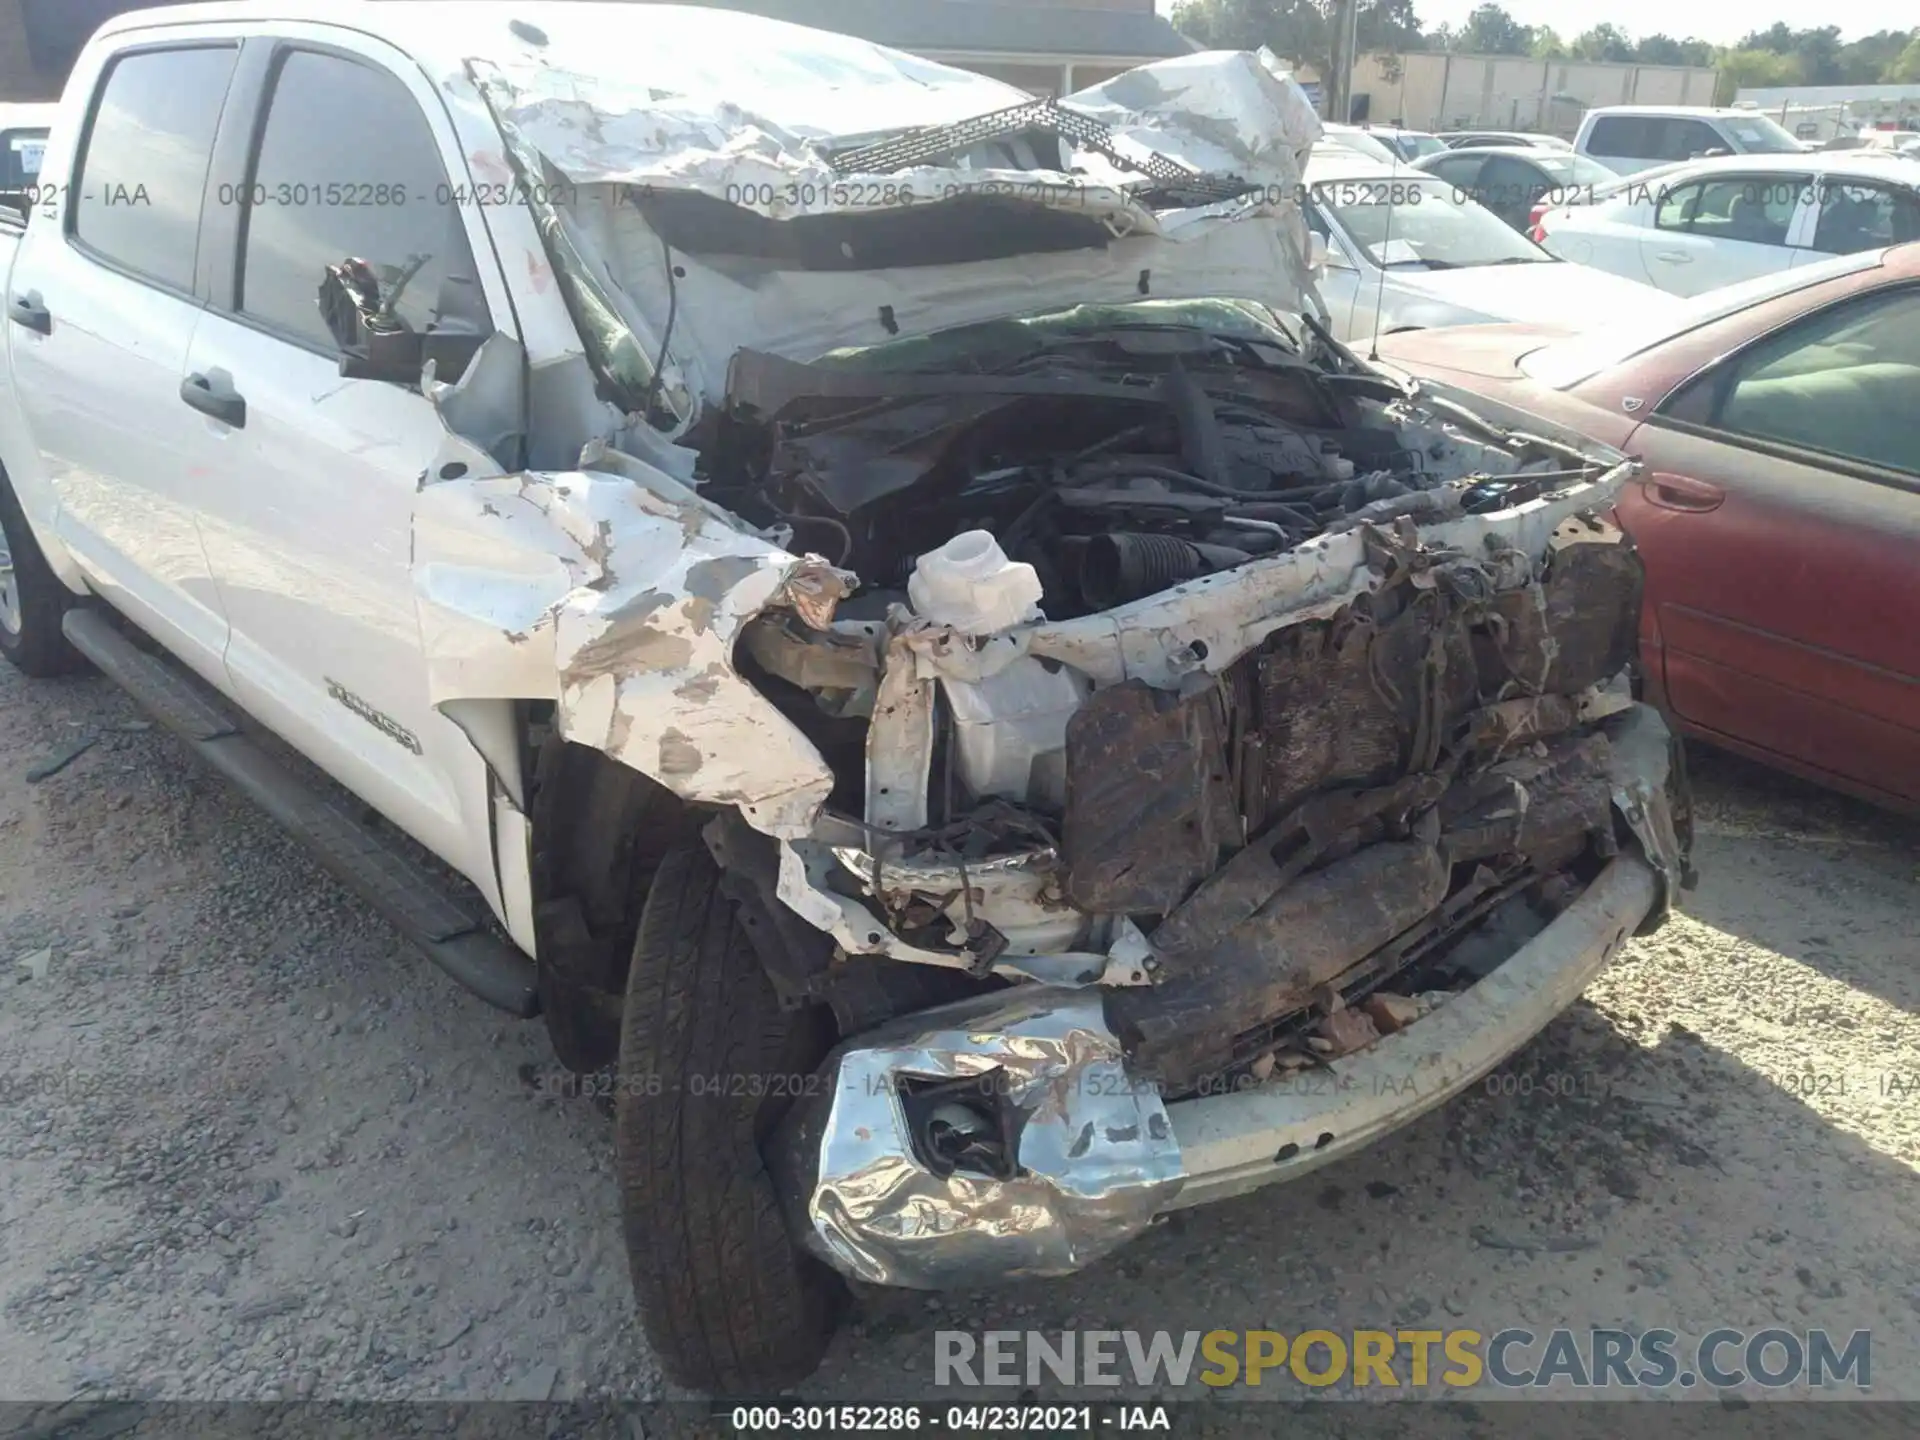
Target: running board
388, 879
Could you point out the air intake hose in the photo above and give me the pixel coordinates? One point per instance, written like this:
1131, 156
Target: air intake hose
1120, 568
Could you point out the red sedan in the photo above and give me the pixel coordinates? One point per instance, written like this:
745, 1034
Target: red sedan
1778, 511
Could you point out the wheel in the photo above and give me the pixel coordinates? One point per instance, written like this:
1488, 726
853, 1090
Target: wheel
32, 600
730, 1304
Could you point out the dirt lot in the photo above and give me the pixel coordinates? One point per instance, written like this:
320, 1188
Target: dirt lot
251, 1146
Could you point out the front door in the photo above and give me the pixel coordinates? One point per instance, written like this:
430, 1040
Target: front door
1717, 232
308, 521
1780, 521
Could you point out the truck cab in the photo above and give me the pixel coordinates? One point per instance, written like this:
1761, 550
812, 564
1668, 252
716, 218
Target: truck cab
1630, 138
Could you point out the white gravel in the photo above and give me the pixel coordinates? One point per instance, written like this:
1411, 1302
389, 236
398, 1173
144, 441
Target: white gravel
251, 1146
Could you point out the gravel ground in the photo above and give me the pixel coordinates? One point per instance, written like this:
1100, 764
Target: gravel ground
251, 1146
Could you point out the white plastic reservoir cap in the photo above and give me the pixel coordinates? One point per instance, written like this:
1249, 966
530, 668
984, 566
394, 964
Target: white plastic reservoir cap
971, 585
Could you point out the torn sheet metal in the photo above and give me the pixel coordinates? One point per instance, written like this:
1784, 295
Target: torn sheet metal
1093, 1157
1646, 767
1150, 808
621, 601
755, 121
710, 123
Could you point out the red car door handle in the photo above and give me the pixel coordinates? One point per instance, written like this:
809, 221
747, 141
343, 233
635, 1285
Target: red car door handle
1683, 492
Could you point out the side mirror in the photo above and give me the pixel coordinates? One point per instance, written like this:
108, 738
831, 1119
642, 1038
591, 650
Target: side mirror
1316, 253
376, 344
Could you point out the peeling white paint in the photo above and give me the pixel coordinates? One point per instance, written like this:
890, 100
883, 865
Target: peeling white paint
621, 601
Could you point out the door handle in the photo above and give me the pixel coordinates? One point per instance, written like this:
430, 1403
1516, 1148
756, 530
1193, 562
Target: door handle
1683, 492
28, 311
1673, 257
223, 405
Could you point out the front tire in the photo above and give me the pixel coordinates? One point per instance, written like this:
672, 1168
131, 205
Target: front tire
730, 1304
32, 599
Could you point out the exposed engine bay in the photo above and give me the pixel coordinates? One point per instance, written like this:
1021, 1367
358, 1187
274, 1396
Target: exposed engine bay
1117, 458
1280, 847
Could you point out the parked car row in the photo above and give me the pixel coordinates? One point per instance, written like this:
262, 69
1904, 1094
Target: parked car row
1758, 352
1778, 512
1405, 250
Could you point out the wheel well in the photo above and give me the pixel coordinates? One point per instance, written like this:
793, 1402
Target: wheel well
600, 829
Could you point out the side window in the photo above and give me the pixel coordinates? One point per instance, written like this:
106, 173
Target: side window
1622, 135
1685, 139
143, 173
1839, 382
20, 152
1676, 207
1459, 170
1508, 187
1856, 217
348, 168
1756, 209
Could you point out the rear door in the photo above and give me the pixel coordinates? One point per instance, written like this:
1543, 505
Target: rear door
1718, 231
1851, 215
312, 476
103, 303
1780, 522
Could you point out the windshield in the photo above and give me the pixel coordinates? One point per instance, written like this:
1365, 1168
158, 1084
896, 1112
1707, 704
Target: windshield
1413, 147
1403, 223
1758, 135
1566, 363
1360, 142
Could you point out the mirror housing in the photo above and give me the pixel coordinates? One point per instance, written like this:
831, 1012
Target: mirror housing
1316, 253
376, 344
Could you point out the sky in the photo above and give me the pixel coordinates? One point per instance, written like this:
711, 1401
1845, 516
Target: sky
1720, 21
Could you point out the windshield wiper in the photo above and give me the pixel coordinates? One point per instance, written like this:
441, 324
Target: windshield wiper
1524, 260
1425, 263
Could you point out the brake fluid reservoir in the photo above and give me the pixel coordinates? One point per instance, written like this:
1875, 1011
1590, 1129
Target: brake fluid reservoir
970, 584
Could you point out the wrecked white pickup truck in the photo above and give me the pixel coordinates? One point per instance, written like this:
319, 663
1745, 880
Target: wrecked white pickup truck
960, 695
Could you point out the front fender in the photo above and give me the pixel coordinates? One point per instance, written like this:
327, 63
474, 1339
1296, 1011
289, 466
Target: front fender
619, 596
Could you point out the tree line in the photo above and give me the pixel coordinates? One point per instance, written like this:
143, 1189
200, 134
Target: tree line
1780, 55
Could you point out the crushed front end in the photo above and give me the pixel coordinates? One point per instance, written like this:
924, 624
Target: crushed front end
1336, 802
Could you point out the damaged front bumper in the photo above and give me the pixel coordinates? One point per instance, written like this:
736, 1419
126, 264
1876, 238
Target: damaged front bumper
1090, 1153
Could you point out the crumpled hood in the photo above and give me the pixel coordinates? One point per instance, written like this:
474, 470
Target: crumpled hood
759, 131
741, 143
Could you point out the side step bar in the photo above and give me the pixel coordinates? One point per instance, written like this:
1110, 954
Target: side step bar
389, 880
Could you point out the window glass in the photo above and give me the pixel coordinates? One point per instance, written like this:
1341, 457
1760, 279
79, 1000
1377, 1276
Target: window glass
137, 196
1458, 169
20, 152
1759, 135
1843, 382
1509, 186
1423, 224
1684, 139
1856, 217
1623, 135
348, 168
1675, 207
1757, 209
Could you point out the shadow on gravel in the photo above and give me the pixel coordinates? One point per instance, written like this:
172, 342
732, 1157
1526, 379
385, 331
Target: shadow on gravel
1813, 875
